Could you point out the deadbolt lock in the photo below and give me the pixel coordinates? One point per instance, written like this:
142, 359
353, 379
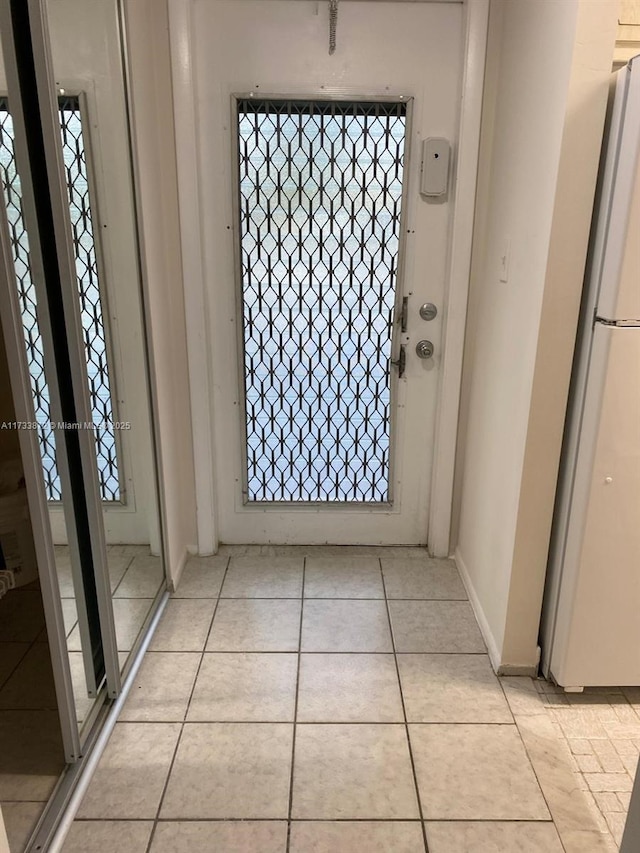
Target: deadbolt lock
428, 311
424, 349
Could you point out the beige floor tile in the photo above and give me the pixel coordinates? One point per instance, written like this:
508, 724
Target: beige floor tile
130, 777
426, 578
31, 685
162, 687
201, 578
492, 837
579, 722
435, 626
599, 823
599, 782
65, 578
353, 771
451, 689
10, 656
19, 821
256, 625
616, 822
588, 764
607, 756
243, 687
183, 627
129, 615
522, 695
83, 701
624, 799
99, 836
345, 626
247, 836
343, 577
32, 756
74, 643
580, 746
477, 772
625, 747
630, 763
69, 614
582, 841
230, 770
142, 579
118, 565
346, 837
263, 577
347, 688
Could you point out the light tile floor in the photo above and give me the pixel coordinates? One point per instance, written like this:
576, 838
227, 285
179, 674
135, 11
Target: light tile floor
331, 700
601, 728
136, 577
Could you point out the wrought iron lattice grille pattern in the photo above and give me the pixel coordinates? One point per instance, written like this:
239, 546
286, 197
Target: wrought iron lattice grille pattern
89, 293
320, 202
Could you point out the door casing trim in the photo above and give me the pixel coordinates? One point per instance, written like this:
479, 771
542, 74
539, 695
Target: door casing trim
457, 285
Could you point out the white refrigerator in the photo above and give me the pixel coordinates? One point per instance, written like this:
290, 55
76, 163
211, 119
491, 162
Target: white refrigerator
591, 618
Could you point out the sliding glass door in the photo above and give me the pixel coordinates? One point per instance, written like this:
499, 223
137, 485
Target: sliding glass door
72, 316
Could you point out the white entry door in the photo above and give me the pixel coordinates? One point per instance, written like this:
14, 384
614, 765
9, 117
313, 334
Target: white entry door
320, 252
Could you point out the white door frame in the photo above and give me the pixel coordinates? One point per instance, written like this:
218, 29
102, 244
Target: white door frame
457, 287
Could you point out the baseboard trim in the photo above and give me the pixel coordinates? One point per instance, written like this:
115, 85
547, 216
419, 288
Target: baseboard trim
173, 579
517, 669
490, 640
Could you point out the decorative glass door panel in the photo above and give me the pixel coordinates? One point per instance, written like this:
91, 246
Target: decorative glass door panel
95, 339
320, 204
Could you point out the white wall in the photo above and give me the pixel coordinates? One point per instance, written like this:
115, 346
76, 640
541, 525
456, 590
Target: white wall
545, 100
154, 151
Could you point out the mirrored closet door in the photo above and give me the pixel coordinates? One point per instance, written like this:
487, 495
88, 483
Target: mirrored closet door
72, 310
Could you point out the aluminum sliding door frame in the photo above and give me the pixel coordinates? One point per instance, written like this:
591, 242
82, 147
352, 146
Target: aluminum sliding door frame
49, 119
11, 319
31, 87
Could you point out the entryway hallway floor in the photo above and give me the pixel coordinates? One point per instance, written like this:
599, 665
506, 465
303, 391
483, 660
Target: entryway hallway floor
330, 700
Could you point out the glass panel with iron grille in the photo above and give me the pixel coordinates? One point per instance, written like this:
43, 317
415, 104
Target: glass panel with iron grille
90, 300
320, 192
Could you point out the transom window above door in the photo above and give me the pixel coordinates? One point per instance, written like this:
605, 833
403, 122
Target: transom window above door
319, 193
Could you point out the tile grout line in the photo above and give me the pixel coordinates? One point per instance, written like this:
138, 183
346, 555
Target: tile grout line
335, 598
295, 708
285, 722
307, 652
404, 714
128, 566
380, 820
186, 713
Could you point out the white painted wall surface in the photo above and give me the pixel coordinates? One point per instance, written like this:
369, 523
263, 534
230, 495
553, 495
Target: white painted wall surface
544, 109
154, 147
